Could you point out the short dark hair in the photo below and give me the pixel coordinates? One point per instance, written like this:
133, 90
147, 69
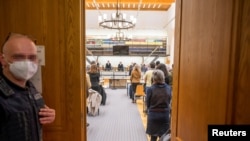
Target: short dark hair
157, 62
152, 65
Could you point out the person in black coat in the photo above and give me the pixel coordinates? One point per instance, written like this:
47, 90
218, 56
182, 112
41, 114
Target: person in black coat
158, 98
108, 66
23, 112
94, 76
120, 67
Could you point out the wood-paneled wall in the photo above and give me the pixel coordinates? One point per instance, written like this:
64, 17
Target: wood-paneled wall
59, 26
211, 66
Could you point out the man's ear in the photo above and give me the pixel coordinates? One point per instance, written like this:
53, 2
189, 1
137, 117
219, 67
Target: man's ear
1, 57
2, 60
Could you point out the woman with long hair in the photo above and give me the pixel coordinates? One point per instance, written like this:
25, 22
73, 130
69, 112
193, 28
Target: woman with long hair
163, 68
94, 75
135, 78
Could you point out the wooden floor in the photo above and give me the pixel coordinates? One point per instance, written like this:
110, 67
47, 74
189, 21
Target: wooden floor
142, 114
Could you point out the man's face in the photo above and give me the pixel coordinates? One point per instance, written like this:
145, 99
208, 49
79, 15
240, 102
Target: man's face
18, 49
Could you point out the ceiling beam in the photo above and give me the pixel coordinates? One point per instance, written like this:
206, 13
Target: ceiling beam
155, 5
132, 1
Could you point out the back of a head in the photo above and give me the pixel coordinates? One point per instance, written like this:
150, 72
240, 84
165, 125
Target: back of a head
158, 76
152, 65
137, 67
93, 68
157, 63
13, 39
163, 68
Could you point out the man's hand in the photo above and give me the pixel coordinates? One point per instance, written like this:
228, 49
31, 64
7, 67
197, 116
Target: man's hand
46, 115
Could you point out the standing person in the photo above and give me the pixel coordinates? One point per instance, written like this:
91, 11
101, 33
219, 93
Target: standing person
135, 78
171, 75
163, 67
144, 68
22, 107
157, 63
158, 98
148, 76
108, 66
88, 86
131, 66
94, 75
97, 63
98, 66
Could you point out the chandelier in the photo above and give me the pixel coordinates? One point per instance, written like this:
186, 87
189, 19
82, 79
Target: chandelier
117, 21
120, 36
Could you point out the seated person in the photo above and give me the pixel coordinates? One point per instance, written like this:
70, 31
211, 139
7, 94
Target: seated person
120, 67
108, 66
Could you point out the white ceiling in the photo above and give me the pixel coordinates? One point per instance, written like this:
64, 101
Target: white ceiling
150, 24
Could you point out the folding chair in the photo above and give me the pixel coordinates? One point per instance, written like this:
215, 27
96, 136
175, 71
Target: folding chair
105, 82
140, 94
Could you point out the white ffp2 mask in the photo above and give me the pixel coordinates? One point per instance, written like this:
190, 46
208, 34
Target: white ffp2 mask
23, 69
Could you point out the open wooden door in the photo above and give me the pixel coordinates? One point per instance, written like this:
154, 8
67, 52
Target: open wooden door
59, 26
211, 61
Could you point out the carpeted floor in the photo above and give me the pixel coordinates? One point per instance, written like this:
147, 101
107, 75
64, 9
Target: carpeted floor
118, 120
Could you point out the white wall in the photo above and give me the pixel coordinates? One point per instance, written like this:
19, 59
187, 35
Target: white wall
170, 31
127, 60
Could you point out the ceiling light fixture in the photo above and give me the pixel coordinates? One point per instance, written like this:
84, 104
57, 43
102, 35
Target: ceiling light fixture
118, 20
120, 36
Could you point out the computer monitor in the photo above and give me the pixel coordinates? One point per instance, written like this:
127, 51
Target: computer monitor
120, 50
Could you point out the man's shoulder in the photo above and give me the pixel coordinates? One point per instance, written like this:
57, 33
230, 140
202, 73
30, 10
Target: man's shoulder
5, 88
148, 72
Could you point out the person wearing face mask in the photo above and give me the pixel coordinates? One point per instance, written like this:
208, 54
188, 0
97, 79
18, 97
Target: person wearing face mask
22, 108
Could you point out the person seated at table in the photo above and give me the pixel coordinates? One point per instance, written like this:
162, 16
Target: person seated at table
108, 66
120, 67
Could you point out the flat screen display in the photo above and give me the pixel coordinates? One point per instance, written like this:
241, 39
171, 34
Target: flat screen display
121, 50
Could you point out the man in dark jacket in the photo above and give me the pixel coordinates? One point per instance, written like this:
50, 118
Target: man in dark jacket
22, 108
108, 66
120, 67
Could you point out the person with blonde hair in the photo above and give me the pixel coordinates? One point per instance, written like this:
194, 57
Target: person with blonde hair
148, 76
135, 78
